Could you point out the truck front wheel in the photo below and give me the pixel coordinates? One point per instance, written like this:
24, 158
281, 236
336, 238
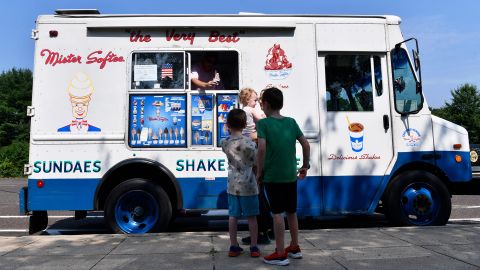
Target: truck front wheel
417, 198
137, 206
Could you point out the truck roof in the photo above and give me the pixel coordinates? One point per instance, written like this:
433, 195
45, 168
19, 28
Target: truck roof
95, 19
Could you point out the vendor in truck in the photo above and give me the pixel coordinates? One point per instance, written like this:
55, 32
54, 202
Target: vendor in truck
204, 75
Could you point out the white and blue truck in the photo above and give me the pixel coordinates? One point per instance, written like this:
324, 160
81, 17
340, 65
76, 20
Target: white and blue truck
117, 126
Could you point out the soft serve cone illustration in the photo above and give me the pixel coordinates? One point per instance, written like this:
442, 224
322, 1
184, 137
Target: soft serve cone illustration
80, 90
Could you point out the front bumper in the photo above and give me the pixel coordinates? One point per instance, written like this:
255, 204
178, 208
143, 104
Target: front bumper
471, 187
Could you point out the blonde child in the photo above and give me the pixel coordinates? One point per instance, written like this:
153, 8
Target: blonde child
249, 99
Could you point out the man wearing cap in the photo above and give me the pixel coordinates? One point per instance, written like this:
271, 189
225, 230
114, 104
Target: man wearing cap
80, 90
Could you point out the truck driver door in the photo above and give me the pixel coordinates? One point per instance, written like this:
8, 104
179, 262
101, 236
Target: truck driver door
355, 129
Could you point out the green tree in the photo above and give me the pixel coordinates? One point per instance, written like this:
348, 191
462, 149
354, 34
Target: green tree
15, 96
12, 158
464, 110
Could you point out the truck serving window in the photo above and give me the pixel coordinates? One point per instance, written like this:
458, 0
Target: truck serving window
407, 98
159, 70
214, 70
349, 82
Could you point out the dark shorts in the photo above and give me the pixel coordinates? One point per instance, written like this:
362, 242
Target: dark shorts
282, 197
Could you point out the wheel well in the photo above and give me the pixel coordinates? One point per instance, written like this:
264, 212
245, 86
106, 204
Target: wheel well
422, 166
139, 168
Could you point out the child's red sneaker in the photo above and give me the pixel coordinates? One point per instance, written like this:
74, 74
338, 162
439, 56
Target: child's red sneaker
276, 259
254, 252
294, 252
235, 251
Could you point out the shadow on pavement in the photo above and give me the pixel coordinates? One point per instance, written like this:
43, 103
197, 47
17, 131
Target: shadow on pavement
201, 223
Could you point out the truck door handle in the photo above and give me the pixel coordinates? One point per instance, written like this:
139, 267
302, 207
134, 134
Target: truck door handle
386, 122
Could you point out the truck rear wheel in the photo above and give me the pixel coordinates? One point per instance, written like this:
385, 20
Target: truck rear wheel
417, 198
138, 206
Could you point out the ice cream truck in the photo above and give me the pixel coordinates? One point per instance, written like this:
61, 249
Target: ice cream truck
117, 124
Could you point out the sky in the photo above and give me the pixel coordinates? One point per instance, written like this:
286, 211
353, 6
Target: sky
448, 31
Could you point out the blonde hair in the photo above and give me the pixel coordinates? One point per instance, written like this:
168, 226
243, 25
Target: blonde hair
245, 95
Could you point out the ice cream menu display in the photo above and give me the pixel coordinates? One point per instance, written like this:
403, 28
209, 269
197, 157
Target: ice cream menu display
202, 119
225, 103
157, 121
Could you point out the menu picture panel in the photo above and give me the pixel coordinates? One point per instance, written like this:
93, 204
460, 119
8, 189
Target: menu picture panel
225, 103
202, 119
157, 121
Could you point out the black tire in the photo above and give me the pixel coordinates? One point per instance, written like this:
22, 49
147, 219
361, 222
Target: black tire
38, 222
417, 198
119, 197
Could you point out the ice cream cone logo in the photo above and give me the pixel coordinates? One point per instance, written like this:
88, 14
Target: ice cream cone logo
80, 86
200, 105
80, 90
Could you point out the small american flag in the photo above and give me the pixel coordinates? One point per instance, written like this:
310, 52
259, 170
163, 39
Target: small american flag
167, 71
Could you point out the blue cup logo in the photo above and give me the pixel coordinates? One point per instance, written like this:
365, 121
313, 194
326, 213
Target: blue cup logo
356, 136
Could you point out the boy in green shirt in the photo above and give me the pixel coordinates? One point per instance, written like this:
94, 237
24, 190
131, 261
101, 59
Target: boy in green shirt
277, 169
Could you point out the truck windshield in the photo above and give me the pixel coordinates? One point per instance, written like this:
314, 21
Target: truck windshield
408, 98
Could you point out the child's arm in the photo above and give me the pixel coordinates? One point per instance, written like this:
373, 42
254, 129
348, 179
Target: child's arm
262, 145
257, 115
306, 157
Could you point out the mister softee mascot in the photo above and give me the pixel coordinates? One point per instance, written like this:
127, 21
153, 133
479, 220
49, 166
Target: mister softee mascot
80, 91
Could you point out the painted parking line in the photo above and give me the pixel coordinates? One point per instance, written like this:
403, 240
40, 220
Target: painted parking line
13, 230
55, 231
465, 206
464, 219
69, 231
217, 212
6, 217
